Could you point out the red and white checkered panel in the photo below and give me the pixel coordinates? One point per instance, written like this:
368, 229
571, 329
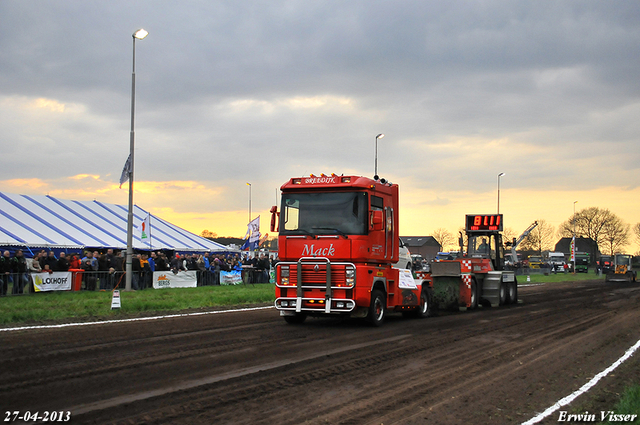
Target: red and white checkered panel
465, 266
466, 279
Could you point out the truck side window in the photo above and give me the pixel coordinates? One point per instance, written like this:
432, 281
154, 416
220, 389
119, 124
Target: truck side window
377, 203
291, 214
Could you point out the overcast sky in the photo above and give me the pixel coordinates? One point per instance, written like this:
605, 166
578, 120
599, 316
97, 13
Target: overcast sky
229, 92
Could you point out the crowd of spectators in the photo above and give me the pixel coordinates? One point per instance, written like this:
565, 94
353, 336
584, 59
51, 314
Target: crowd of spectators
105, 270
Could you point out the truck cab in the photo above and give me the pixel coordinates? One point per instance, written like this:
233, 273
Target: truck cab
338, 241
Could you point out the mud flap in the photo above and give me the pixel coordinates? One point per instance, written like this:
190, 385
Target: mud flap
491, 288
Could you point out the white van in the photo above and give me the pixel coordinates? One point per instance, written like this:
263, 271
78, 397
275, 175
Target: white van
404, 257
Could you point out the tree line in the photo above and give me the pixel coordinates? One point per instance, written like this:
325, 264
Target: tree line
605, 228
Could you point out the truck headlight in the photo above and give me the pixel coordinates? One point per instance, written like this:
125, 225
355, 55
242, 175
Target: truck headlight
350, 272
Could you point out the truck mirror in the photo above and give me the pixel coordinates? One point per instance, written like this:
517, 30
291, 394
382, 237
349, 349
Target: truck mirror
274, 221
377, 220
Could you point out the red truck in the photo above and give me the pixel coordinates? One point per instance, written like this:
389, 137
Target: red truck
338, 240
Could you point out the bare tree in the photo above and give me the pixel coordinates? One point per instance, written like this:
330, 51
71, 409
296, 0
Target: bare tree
508, 235
541, 238
209, 235
615, 235
601, 225
443, 237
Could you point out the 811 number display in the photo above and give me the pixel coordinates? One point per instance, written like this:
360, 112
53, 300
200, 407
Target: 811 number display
483, 222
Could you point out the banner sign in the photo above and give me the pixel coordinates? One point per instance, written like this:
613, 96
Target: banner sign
233, 277
56, 281
170, 280
573, 249
406, 280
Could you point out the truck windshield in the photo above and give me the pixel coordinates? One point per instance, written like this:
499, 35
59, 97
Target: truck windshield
336, 213
623, 260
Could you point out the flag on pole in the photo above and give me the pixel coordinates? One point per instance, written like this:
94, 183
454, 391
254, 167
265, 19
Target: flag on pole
145, 229
252, 237
126, 171
573, 249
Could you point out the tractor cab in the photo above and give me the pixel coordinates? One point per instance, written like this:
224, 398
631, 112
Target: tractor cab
484, 238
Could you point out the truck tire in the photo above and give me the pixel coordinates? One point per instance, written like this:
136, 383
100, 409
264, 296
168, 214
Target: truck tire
377, 309
295, 320
474, 294
503, 294
512, 293
426, 301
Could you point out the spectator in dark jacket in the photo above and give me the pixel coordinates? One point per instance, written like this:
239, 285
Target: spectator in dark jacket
49, 263
136, 268
5, 272
19, 270
63, 263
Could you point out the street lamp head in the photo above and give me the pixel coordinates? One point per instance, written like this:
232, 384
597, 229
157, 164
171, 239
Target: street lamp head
501, 174
380, 136
140, 34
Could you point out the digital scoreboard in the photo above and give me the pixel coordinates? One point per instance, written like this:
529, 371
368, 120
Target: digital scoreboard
483, 222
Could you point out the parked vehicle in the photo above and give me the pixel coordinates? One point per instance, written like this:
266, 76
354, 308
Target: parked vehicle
582, 262
404, 256
604, 263
535, 262
556, 261
622, 270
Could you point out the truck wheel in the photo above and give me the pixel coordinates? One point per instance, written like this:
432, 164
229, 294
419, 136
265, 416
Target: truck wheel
474, 295
514, 300
512, 296
503, 294
426, 299
377, 308
295, 320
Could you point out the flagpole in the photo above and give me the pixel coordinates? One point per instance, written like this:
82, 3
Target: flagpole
150, 248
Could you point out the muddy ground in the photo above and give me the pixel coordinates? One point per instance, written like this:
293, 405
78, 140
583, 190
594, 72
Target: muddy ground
500, 365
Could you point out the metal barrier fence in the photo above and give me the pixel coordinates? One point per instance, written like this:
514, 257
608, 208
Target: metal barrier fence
22, 283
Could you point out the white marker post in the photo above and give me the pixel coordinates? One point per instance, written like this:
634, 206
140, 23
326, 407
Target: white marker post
115, 299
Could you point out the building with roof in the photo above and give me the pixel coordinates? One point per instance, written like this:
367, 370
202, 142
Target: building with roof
587, 245
426, 246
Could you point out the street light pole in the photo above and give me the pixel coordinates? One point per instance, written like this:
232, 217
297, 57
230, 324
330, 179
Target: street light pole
249, 184
375, 174
573, 241
140, 34
499, 175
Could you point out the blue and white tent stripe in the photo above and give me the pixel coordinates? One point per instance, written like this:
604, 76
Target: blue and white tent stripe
51, 222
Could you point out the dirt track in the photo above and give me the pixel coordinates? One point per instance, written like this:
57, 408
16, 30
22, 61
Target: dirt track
486, 366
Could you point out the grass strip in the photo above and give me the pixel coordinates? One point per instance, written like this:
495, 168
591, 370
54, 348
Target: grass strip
79, 306
629, 404
560, 277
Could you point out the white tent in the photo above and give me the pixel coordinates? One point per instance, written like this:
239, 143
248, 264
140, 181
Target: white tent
44, 221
